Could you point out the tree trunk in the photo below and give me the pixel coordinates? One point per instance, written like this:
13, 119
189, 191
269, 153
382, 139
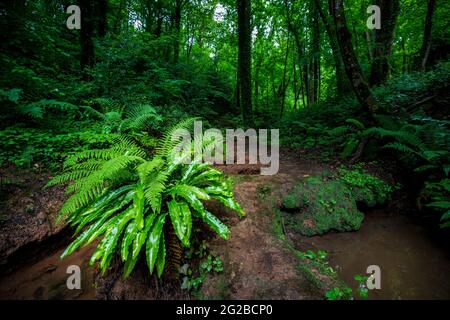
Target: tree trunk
86, 33
176, 48
102, 24
316, 56
244, 60
383, 41
342, 84
351, 64
283, 86
426, 45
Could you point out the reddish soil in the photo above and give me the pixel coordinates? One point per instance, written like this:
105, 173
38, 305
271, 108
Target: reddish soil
256, 264
28, 215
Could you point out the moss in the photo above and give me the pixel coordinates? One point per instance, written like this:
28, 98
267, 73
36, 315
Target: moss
366, 188
321, 205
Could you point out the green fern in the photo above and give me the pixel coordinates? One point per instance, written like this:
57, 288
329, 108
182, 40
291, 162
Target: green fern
126, 198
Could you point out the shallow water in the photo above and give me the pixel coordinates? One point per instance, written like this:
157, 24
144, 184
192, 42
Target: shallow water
414, 265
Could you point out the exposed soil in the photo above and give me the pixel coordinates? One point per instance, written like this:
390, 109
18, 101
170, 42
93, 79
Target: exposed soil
47, 278
28, 217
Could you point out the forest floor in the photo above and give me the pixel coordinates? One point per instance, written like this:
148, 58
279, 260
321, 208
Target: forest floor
258, 264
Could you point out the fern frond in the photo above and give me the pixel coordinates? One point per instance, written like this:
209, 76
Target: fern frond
170, 138
155, 184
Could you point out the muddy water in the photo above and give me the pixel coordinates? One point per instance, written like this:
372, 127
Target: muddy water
47, 278
412, 263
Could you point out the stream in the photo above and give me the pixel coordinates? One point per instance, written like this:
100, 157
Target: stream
413, 264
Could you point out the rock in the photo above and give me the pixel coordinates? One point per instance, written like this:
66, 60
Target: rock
316, 206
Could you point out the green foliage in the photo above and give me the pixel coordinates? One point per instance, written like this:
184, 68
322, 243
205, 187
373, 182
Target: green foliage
25, 146
346, 293
362, 290
118, 119
438, 193
193, 281
336, 293
126, 197
365, 187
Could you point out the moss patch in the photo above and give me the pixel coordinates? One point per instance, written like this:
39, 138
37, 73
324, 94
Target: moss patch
366, 188
317, 205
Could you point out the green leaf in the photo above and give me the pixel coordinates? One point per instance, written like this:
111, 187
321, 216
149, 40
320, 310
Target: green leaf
161, 259
230, 203
153, 240
180, 216
142, 235
211, 220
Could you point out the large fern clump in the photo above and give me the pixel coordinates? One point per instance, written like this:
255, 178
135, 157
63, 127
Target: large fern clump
126, 197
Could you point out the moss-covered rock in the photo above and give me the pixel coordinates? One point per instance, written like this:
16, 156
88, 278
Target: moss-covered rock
318, 205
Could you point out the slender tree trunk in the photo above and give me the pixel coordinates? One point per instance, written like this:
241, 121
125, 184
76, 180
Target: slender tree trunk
244, 60
102, 25
352, 67
86, 34
295, 82
256, 82
342, 84
283, 86
383, 41
369, 41
176, 48
316, 56
426, 44
404, 61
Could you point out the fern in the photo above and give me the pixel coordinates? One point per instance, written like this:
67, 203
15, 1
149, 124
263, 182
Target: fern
125, 197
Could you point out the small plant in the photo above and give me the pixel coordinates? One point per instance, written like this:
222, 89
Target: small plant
346, 293
362, 290
439, 192
193, 282
336, 293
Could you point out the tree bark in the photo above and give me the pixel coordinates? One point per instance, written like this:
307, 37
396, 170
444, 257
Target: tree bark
244, 60
315, 56
102, 24
342, 84
86, 33
383, 41
176, 46
426, 45
283, 85
351, 64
